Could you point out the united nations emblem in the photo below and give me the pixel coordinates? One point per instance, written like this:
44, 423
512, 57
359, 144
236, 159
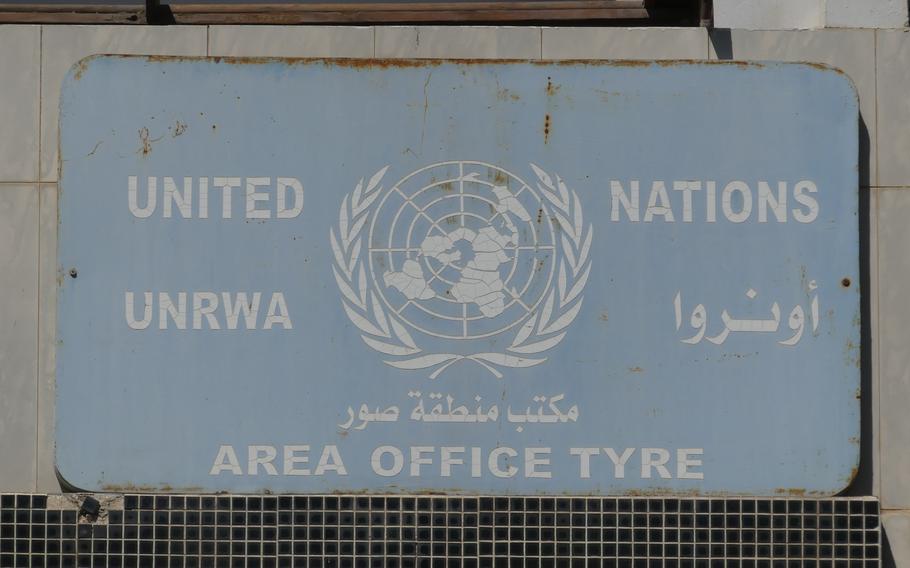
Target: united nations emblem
466, 256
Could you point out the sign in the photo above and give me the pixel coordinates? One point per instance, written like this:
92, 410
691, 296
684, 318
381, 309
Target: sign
464, 277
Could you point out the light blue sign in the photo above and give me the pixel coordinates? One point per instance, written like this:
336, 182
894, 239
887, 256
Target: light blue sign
466, 277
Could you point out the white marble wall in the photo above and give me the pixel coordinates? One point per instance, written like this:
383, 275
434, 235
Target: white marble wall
34, 59
809, 14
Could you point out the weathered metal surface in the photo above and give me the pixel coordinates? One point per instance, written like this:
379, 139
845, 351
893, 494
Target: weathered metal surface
343, 12
123, 13
477, 277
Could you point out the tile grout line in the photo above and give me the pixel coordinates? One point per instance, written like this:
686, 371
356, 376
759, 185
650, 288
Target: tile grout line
877, 427
877, 379
708, 44
875, 98
40, 89
38, 267
38, 337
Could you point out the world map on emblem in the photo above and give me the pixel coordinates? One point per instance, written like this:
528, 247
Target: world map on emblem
462, 250
465, 251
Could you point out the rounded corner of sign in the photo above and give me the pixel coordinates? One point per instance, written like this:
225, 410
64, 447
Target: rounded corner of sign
851, 87
69, 484
840, 74
847, 478
77, 70
70, 476
845, 484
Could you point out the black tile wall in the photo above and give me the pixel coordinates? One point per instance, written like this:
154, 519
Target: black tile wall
391, 531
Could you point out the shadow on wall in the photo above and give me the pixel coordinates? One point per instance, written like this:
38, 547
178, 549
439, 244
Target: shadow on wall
887, 558
721, 40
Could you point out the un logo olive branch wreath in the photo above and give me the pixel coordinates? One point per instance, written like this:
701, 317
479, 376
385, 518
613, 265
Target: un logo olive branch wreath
543, 329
